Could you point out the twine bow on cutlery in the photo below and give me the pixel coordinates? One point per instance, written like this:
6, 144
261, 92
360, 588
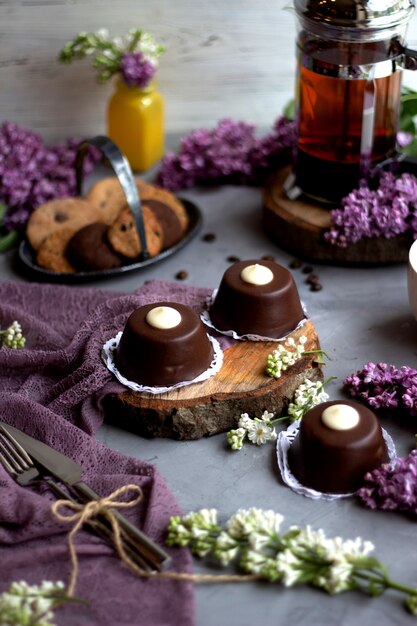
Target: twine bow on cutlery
85, 512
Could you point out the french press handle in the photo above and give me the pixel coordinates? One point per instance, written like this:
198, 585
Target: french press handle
410, 59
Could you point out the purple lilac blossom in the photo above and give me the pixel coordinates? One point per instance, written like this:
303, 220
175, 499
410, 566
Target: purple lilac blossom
404, 138
387, 211
392, 488
136, 69
384, 386
230, 153
32, 173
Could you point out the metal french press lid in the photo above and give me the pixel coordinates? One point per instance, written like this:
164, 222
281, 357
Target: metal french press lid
362, 14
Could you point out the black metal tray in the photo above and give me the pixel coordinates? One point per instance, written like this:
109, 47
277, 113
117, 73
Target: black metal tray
118, 162
28, 258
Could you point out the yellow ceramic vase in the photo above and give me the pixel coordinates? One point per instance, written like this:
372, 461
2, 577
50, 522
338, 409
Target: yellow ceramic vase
135, 122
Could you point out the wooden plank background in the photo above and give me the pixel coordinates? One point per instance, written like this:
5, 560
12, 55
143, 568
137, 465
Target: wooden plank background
225, 58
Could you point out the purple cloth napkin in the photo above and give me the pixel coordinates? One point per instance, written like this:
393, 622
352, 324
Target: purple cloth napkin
52, 389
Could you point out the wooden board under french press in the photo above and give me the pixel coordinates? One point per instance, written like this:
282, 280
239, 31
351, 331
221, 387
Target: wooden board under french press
215, 405
298, 227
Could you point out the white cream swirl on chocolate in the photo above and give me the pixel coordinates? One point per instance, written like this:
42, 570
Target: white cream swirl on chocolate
256, 274
340, 417
163, 317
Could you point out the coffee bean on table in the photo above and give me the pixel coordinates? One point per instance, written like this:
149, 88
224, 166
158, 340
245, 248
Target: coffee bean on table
316, 287
181, 275
233, 259
307, 269
295, 264
312, 279
267, 257
209, 237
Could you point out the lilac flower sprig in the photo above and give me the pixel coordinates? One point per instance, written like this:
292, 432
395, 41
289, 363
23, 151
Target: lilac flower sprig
12, 336
384, 386
284, 356
392, 488
387, 211
254, 541
32, 173
261, 430
390, 208
288, 353
136, 70
134, 57
32, 605
231, 153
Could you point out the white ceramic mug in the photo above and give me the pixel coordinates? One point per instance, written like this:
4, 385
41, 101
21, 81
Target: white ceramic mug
412, 278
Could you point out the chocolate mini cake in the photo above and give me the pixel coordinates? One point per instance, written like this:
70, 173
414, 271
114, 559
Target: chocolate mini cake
163, 344
258, 298
337, 444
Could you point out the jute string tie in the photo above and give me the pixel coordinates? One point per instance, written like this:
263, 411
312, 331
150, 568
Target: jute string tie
86, 512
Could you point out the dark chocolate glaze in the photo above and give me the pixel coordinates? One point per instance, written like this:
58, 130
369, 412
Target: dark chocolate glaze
89, 249
336, 461
271, 310
163, 357
166, 216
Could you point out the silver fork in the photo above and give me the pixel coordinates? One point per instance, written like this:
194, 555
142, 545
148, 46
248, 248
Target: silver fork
19, 465
16, 460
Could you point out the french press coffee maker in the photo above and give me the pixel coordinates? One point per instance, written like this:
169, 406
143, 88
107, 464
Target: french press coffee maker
351, 54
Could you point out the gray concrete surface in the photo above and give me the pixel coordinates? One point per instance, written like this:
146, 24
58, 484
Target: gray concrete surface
360, 315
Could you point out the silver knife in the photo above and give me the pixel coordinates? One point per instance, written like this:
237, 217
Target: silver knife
70, 473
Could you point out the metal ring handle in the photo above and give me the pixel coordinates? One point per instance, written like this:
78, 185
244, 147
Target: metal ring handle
410, 59
399, 163
120, 165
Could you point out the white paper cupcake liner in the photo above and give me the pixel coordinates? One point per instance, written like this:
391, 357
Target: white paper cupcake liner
205, 316
284, 441
110, 346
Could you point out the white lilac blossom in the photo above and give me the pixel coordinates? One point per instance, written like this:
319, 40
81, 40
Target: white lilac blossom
288, 353
32, 173
260, 430
307, 395
135, 57
284, 356
231, 153
31, 605
254, 541
249, 522
235, 438
384, 386
12, 336
261, 433
197, 528
257, 430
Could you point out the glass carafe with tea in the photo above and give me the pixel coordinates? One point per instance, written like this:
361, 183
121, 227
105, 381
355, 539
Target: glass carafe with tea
351, 54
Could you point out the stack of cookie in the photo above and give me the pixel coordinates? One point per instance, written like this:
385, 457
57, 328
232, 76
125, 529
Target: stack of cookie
99, 232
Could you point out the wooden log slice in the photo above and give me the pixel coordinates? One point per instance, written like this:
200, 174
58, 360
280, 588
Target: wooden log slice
298, 226
215, 405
